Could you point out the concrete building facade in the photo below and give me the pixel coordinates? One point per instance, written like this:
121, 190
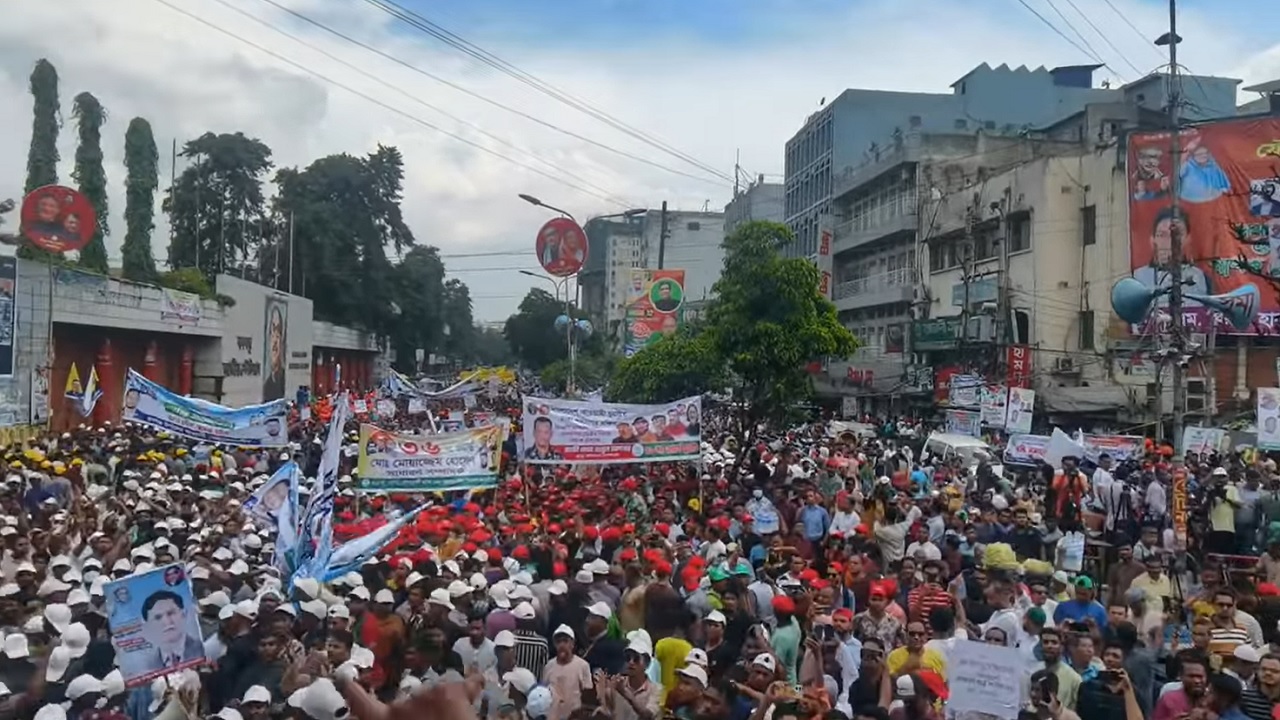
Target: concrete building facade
759, 201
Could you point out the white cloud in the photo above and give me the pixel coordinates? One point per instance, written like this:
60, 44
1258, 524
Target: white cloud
711, 100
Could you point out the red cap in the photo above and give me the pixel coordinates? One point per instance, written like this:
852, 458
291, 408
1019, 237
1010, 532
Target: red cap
559, 569
1268, 589
495, 555
784, 604
627, 555
808, 575
662, 568
470, 547
590, 532
842, 614
521, 552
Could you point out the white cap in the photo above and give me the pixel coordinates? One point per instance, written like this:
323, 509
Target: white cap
564, 630
311, 587
600, 609
520, 679
694, 672
440, 596
59, 659
51, 711
122, 565
598, 567
716, 616
9, 589
523, 611
320, 701
76, 640
504, 638
217, 598
385, 597
479, 581
558, 587
340, 611
697, 656
59, 616
317, 608
83, 684
256, 694
360, 592
1246, 653
16, 647
247, 609
77, 597
228, 713
458, 589
113, 683
52, 585
584, 577
539, 702
766, 661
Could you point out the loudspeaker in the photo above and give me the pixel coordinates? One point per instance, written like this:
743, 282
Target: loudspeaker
1240, 306
1132, 300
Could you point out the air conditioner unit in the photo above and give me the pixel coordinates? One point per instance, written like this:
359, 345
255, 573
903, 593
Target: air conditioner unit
980, 329
1064, 364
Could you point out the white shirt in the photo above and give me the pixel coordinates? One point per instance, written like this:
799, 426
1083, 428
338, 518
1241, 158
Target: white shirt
845, 522
1157, 500
481, 658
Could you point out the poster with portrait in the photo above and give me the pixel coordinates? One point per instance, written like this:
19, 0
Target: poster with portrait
146, 402
58, 219
154, 624
8, 313
561, 247
655, 307
1228, 215
275, 356
1268, 419
571, 431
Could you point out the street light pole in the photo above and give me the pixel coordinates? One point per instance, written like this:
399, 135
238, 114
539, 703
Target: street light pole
563, 283
538, 203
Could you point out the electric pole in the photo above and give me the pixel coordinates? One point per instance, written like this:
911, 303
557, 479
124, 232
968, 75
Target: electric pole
662, 237
1176, 225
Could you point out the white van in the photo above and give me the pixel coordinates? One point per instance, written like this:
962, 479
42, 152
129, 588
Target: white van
970, 450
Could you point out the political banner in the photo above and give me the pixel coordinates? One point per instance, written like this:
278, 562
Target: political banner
1119, 447
264, 425
1205, 440
1025, 449
397, 462
1019, 410
181, 306
275, 503
964, 422
154, 624
352, 555
1268, 419
964, 390
315, 532
8, 313
991, 403
655, 307
571, 431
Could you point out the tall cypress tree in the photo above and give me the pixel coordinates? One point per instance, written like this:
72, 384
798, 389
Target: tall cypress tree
141, 160
42, 158
92, 178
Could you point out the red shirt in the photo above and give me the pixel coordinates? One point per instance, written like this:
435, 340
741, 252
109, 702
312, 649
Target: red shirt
924, 599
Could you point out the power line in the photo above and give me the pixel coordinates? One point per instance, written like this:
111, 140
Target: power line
396, 89
1106, 39
1146, 40
484, 98
385, 106
1055, 29
1079, 35
474, 51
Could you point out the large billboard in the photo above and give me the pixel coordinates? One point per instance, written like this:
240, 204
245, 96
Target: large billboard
1228, 214
655, 307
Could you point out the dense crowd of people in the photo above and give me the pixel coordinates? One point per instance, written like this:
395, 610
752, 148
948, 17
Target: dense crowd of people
792, 575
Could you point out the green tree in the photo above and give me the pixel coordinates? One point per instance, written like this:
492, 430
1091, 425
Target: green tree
91, 177
418, 288
142, 163
216, 206
768, 320
531, 331
42, 157
456, 316
675, 366
489, 348
345, 214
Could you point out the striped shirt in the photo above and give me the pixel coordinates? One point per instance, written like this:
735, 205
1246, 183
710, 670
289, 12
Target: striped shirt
1224, 641
924, 599
1256, 705
531, 651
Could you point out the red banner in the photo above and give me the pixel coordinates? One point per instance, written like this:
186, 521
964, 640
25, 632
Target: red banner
1228, 214
1019, 362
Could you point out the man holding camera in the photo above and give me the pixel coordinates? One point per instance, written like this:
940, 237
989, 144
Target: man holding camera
1223, 499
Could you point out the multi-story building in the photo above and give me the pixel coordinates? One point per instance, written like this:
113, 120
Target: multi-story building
865, 170
759, 201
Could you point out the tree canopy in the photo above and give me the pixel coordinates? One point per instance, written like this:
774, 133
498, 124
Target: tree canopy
91, 176
42, 155
765, 323
142, 165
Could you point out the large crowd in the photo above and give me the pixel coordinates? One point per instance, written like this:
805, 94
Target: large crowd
797, 574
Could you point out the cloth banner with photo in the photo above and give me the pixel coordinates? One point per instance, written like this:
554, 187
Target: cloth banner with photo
1268, 419
315, 532
991, 403
154, 623
964, 422
571, 431
1020, 410
146, 402
396, 462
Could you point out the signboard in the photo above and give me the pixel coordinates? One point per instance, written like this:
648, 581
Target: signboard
58, 219
964, 390
934, 334
655, 307
154, 623
181, 306
991, 403
964, 422
396, 462
1228, 215
8, 313
978, 291
1026, 449
148, 403
1018, 361
1119, 447
570, 431
1179, 510
985, 680
1020, 410
1268, 419
561, 247
1205, 440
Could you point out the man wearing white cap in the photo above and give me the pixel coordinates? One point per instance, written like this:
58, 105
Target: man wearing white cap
635, 697
531, 646
566, 674
599, 650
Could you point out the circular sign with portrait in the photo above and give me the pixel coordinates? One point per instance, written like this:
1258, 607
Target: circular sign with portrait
666, 295
561, 247
58, 219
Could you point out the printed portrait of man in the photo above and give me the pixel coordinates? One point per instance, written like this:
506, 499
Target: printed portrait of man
164, 625
275, 349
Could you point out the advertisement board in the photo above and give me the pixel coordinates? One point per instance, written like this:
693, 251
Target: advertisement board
570, 431
397, 462
1228, 215
561, 247
1268, 419
655, 307
146, 402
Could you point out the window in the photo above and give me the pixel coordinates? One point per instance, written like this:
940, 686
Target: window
1086, 329
1089, 224
694, 226
1019, 233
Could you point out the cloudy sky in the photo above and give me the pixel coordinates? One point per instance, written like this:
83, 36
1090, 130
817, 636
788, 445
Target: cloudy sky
703, 79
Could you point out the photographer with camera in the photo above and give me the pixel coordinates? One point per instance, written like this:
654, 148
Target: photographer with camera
1221, 499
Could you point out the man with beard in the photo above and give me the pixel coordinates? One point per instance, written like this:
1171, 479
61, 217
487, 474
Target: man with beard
1178, 702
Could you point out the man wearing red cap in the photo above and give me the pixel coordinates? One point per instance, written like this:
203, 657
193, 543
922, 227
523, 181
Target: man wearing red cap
785, 640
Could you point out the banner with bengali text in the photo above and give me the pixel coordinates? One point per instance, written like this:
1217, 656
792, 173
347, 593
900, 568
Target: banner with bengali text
571, 431
463, 460
149, 403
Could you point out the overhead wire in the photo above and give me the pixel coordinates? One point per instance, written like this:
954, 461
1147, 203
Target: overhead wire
369, 98
1147, 41
1105, 39
487, 58
420, 101
1071, 26
486, 99
1059, 32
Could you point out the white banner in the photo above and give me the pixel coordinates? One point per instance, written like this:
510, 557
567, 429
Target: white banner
264, 425
1019, 410
397, 462
1268, 419
570, 431
182, 306
1205, 440
964, 422
964, 390
991, 401
984, 679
